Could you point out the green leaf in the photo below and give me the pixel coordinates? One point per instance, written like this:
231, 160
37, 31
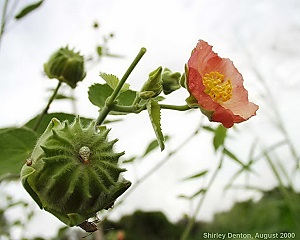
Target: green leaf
208, 128
98, 93
152, 146
219, 138
154, 114
47, 118
233, 157
113, 81
28, 9
200, 191
63, 97
16, 145
130, 160
197, 175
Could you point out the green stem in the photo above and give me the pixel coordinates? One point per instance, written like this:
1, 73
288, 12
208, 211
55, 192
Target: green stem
3, 20
175, 107
192, 220
109, 104
138, 108
40, 118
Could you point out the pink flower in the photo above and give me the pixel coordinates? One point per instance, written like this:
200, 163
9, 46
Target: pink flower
218, 87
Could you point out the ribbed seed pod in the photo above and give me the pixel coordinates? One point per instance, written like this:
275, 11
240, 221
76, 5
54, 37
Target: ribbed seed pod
73, 172
67, 66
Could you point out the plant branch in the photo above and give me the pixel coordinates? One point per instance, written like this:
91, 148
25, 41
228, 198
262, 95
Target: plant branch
40, 118
138, 108
192, 220
110, 102
3, 20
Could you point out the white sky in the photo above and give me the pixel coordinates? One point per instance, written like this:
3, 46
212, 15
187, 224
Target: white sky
267, 30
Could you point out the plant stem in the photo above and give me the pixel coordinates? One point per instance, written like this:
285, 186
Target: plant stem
175, 107
110, 101
192, 220
3, 20
40, 118
138, 108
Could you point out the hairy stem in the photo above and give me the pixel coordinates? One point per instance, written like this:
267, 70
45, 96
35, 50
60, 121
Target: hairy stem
110, 101
40, 117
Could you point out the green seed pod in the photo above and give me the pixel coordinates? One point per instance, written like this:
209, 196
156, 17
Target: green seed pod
73, 172
66, 66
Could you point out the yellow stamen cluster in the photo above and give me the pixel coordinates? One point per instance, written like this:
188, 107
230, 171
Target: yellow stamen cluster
216, 87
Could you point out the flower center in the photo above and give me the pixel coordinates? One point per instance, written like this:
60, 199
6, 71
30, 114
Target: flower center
216, 86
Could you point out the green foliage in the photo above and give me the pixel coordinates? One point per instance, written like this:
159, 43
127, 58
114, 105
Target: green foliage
153, 145
113, 81
277, 211
28, 9
98, 94
197, 175
220, 136
16, 145
146, 226
154, 114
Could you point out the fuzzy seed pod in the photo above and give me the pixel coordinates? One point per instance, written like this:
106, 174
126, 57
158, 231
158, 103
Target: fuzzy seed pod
73, 172
66, 66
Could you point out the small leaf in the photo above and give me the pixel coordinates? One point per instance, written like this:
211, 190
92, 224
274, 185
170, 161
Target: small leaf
219, 138
114, 55
113, 81
233, 157
16, 145
154, 114
200, 174
47, 118
183, 196
153, 145
28, 9
130, 160
200, 191
126, 98
98, 93
208, 128
63, 97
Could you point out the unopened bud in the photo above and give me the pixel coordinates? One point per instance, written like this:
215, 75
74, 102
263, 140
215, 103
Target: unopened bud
66, 66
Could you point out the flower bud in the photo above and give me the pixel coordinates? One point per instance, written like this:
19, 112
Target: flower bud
66, 66
73, 172
170, 81
153, 86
